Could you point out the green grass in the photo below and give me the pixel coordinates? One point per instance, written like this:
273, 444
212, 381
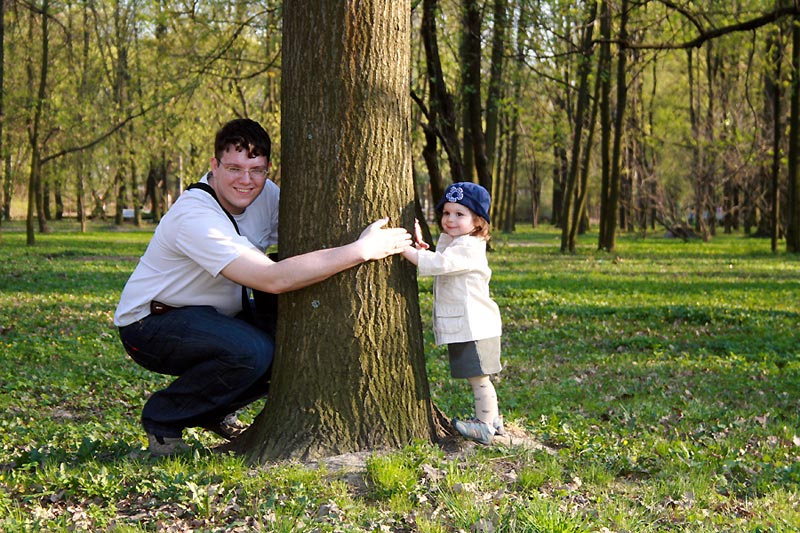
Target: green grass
665, 378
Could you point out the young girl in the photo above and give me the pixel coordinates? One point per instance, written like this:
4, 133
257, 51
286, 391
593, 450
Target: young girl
464, 315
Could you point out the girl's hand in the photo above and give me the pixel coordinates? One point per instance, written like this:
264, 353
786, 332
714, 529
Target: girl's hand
419, 243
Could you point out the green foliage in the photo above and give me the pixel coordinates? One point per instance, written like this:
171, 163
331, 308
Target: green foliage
664, 382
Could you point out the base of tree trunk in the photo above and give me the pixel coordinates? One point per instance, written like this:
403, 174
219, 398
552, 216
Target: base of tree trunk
446, 437
442, 429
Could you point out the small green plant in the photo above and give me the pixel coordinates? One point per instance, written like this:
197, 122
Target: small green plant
539, 515
391, 475
544, 469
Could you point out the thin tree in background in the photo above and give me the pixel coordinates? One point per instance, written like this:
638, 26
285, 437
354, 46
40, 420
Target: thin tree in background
494, 89
608, 240
442, 116
509, 179
35, 174
569, 209
793, 200
773, 114
81, 167
475, 139
3, 176
608, 215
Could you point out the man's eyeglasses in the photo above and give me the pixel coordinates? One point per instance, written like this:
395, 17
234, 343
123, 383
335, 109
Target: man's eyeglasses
239, 172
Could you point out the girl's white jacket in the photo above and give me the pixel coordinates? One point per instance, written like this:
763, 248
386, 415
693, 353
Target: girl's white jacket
462, 308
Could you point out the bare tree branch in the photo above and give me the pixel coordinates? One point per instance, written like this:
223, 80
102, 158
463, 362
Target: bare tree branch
712, 33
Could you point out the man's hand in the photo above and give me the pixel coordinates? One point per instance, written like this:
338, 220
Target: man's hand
377, 242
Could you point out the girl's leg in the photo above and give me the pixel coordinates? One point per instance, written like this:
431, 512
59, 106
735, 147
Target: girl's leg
486, 409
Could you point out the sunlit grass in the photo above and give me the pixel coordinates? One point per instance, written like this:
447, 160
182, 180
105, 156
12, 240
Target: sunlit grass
664, 378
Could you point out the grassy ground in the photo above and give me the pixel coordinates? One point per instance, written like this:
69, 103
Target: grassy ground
664, 378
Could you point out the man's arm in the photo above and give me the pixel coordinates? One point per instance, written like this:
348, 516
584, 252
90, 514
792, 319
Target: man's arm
255, 270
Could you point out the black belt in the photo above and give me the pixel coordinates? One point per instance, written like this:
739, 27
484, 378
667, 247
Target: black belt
158, 308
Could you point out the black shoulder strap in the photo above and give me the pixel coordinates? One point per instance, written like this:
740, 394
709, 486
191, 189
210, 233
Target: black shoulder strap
210, 190
247, 306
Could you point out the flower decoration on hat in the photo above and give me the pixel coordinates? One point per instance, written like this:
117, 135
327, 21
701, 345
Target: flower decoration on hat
455, 194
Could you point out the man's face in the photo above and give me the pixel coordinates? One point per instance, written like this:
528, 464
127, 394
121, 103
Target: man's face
238, 179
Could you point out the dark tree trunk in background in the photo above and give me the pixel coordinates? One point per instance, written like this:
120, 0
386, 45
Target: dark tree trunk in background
610, 240
494, 90
4, 177
35, 176
769, 220
572, 182
442, 115
476, 141
793, 191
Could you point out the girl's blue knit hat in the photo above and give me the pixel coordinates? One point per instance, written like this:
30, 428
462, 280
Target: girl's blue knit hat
468, 194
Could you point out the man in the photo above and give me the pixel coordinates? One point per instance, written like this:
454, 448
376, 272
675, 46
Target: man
181, 311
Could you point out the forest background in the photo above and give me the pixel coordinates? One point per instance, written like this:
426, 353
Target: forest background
636, 115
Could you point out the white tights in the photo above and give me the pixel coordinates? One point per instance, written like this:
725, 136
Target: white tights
486, 409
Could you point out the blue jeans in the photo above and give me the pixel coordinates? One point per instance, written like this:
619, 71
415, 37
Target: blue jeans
222, 364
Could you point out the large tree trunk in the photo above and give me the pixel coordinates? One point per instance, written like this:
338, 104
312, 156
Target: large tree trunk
349, 372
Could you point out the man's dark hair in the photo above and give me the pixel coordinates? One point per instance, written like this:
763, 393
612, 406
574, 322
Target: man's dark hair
243, 134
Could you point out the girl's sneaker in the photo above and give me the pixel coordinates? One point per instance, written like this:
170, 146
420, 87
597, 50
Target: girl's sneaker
475, 430
498, 426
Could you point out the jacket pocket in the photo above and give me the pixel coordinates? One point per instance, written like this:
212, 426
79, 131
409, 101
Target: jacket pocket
450, 318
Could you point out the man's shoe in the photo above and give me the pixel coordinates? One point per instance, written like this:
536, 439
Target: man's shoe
475, 430
161, 446
228, 428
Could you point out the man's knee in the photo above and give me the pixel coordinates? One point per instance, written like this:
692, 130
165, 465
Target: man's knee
255, 354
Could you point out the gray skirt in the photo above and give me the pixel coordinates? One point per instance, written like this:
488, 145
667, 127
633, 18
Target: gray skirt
474, 358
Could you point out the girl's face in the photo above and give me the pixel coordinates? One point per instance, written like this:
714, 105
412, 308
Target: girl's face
457, 219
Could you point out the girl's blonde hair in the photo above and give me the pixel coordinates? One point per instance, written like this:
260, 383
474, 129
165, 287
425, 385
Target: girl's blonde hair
482, 229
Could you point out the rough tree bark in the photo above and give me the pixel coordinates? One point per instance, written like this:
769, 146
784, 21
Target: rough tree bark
349, 373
